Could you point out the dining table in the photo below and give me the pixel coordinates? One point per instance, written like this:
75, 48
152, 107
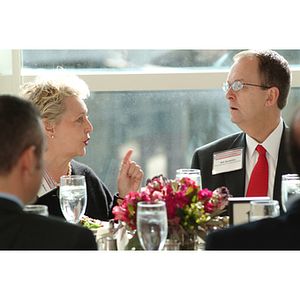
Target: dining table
118, 240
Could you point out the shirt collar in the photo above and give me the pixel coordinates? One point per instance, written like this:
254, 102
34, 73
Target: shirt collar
271, 143
13, 198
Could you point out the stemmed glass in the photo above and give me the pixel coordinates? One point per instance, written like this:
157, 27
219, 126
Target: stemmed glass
37, 209
152, 224
72, 197
290, 185
262, 209
193, 174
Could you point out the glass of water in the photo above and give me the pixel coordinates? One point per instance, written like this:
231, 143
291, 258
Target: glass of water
261, 209
193, 174
37, 209
72, 197
152, 224
290, 185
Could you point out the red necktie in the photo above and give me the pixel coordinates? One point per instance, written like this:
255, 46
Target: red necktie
258, 184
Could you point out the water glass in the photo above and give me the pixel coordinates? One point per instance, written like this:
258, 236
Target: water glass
171, 245
263, 209
152, 224
37, 209
72, 197
193, 174
290, 185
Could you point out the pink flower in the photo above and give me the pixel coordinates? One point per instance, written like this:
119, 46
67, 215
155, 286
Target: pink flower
208, 207
174, 201
177, 195
156, 195
189, 182
120, 214
223, 194
205, 194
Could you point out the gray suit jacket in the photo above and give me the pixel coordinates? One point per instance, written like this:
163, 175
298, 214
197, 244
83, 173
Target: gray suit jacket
24, 231
235, 180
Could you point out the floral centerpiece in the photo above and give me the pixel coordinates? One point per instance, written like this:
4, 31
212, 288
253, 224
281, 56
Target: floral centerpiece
191, 212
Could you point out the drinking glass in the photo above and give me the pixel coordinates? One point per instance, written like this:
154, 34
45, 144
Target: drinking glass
37, 209
193, 174
152, 224
263, 209
171, 245
72, 197
290, 185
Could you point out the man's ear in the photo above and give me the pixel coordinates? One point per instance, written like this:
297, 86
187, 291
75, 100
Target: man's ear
273, 94
28, 160
48, 128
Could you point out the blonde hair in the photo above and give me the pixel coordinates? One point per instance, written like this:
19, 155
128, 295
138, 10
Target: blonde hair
49, 92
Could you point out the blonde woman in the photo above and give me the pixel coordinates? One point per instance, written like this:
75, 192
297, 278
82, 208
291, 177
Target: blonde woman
60, 99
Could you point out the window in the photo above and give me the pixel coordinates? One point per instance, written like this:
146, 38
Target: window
161, 103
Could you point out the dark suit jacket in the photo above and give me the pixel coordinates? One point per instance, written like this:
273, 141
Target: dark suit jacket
281, 233
235, 180
100, 201
24, 231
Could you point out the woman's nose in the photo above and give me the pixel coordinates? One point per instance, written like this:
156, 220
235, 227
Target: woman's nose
90, 126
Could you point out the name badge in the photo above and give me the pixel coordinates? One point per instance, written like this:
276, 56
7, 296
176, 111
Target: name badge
227, 161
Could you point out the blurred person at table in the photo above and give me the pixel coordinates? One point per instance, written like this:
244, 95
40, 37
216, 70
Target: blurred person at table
257, 89
60, 98
21, 170
279, 233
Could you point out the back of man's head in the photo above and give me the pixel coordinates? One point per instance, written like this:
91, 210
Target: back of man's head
20, 129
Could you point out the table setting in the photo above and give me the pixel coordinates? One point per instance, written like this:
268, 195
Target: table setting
166, 214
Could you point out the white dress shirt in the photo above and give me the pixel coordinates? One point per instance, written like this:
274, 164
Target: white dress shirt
271, 144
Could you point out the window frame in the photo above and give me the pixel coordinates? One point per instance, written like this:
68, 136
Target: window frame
148, 80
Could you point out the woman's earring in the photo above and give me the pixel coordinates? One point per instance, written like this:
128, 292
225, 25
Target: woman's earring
52, 136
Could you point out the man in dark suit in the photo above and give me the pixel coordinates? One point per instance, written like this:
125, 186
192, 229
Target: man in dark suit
279, 233
257, 89
21, 169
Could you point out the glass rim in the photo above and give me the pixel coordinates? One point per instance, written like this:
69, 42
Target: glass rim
73, 176
260, 202
151, 204
188, 170
286, 176
35, 206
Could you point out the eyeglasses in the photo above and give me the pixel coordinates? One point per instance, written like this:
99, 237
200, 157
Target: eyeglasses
238, 85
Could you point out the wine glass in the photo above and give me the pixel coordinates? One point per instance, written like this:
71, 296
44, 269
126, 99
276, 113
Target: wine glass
37, 209
290, 185
152, 224
193, 174
262, 209
72, 197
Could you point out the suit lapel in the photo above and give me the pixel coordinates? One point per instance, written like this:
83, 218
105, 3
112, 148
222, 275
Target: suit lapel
236, 179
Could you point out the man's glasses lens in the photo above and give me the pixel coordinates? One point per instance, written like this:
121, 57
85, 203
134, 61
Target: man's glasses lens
225, 86
236, 86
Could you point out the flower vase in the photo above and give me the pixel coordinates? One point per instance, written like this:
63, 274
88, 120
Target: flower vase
189, 241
